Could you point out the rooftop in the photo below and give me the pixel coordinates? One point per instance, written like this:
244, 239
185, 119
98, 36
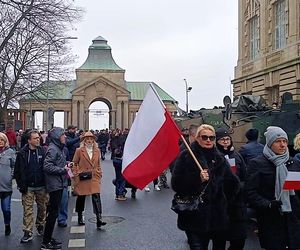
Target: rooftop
100, 56
62, 91
138, 91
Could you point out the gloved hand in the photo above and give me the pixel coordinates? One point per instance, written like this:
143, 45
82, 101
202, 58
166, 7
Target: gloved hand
275, 204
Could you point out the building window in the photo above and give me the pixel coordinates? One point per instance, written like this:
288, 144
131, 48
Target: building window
280, 24
273, 94
254, 37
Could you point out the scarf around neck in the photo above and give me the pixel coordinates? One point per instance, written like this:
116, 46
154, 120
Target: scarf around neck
89, 150
281, 174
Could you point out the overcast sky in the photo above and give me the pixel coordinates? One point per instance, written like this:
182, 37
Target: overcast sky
165, 41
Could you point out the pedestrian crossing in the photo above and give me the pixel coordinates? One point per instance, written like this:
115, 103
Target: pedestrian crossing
76, 243
77, 234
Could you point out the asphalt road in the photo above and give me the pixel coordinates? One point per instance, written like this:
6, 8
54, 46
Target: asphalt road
144, 223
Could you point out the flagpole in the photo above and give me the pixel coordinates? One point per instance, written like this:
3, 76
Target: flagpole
157, 95
191, 152
182, 137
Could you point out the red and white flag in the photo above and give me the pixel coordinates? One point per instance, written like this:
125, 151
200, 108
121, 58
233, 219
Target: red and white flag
152, 142
232, 164
292, 181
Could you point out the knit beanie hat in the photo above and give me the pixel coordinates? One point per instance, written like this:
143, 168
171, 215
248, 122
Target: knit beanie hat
273, 133
252, 134
222, 132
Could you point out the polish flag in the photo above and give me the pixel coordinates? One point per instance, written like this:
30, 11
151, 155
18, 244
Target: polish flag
232, 164
292, 181
152, 142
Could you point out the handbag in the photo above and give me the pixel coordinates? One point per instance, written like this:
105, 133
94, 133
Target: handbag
85, 176
188, 204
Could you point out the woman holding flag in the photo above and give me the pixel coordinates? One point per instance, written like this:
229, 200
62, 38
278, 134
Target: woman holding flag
271, 186
215, 180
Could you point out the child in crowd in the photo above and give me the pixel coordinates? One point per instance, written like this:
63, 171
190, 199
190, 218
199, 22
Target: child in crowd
120, 181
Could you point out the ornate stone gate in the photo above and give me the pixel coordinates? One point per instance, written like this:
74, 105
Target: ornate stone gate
99, 78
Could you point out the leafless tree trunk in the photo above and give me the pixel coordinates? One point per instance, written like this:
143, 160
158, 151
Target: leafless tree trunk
28, 29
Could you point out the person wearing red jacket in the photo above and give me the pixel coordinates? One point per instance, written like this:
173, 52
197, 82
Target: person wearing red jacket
12, 137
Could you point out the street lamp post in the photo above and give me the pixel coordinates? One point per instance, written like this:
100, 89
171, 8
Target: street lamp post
47, 91
187, 90
46, 121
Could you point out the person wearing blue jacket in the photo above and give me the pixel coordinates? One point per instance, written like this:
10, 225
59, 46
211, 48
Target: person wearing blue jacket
120, 181
252, 148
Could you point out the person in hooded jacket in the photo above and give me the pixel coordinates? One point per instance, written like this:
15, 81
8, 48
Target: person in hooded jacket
237, 209
217, 181
55, 170
277, 208
72, 142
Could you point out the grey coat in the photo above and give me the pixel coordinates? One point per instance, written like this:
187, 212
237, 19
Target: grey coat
55, 174
7, 163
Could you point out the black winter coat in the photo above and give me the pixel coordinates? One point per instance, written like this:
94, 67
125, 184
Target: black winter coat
223, 186
27, 175
276, 230
237, 209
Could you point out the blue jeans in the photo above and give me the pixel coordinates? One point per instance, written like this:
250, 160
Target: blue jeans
120, 181
63, 210
5, 206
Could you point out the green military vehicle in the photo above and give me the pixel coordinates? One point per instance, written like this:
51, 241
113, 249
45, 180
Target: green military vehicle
248, 112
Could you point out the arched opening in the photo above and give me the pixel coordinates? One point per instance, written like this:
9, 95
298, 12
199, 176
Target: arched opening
99, 115
58, 120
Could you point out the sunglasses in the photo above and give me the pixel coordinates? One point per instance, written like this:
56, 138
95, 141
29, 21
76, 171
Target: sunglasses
206, 137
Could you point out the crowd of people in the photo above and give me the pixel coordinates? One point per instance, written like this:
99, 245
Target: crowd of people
231, 183
44, 166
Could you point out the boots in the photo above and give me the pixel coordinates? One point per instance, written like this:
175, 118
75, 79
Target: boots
99, 221
80, 219
7, 230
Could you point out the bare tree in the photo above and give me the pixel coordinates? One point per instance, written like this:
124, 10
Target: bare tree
29, 31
